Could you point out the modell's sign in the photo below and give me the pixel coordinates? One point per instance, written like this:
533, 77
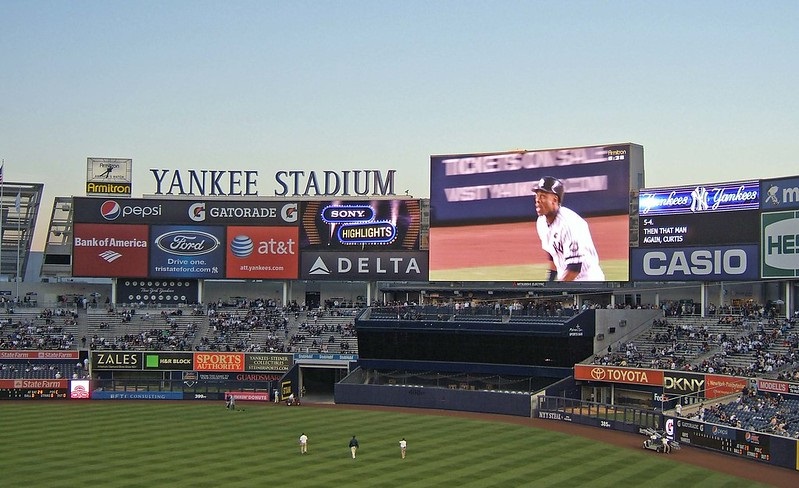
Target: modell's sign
612, 374
348, 183
774, 386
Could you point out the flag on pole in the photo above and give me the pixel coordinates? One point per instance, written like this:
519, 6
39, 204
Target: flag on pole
18, 202
1, 171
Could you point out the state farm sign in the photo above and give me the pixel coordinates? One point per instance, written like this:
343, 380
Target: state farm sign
612, 374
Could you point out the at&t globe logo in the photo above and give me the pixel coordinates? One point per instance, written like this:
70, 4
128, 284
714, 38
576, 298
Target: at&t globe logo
110, 210
241, 246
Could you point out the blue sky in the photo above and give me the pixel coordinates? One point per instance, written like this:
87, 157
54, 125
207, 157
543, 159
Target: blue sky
708, 88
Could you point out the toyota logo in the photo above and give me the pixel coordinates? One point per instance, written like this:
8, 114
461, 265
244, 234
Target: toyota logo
598, 373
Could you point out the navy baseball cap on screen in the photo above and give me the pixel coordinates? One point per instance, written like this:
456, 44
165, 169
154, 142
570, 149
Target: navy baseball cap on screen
550, 184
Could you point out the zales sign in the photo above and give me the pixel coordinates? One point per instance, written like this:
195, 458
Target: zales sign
201, 182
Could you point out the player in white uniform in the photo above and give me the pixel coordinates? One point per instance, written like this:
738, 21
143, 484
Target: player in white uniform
565, 236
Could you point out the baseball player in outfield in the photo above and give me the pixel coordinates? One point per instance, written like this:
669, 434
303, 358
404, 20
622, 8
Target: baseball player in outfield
564, 235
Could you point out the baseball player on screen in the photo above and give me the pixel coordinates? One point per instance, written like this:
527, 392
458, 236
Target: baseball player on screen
564, 235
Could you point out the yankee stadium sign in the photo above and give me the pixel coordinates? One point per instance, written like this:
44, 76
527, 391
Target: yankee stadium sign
355, 182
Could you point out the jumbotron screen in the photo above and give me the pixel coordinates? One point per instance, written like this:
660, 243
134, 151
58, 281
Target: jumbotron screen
483, 216
704, 232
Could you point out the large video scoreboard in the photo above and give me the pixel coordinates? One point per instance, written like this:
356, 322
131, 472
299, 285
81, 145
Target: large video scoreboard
698, 233
482, 209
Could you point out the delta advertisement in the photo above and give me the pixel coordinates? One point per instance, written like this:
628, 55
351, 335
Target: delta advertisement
482, 210
699, 233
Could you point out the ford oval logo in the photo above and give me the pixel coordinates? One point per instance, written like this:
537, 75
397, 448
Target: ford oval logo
187, 242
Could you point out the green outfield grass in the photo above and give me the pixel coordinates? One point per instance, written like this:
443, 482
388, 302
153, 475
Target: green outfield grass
151, 444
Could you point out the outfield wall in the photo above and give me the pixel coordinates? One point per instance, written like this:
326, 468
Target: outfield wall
437, 398
757, 446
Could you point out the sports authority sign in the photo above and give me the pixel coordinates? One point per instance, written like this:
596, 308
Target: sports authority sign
612, 374
108, 176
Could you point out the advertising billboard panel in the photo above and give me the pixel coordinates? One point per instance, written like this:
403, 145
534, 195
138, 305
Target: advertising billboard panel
366, 266
780, 244
123, 211
483, 216
362, 225
109, 176
185, 211
100, 250
615, 374
267, 362
696, 263
262, 252
779, 194
697, 233
180, 251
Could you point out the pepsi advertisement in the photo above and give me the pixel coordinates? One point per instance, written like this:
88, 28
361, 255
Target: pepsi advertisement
184, 211
187, 251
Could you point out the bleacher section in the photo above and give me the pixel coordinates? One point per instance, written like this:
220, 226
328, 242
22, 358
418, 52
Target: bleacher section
38, 328
142, 329
734, 345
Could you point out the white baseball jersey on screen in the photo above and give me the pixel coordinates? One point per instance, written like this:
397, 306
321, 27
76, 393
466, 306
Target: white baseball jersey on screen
568, 241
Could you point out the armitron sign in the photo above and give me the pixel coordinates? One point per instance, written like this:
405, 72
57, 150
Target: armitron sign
611, 374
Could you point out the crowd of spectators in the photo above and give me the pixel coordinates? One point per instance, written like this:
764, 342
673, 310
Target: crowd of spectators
49, 329
767, 413
750, 342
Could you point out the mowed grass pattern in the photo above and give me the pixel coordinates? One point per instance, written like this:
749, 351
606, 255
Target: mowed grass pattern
152, 444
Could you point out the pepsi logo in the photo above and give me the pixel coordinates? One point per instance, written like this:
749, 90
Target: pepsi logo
110, 210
